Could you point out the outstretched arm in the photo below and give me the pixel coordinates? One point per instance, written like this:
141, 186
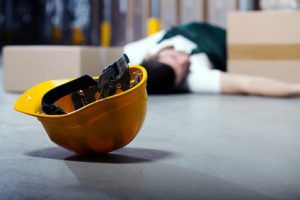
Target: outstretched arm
254, 85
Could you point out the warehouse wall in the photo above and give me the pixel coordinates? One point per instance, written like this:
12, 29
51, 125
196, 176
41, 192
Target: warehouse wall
103, 22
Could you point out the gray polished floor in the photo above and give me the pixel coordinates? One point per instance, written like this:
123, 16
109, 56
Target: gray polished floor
190, 147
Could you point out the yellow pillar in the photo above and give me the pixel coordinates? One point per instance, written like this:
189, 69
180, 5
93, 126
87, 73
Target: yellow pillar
153, 25
105, 33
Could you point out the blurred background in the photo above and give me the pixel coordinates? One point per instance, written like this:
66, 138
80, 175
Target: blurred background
111, 22
263, 36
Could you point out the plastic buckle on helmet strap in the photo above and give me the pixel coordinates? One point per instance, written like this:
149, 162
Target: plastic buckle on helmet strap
113, 76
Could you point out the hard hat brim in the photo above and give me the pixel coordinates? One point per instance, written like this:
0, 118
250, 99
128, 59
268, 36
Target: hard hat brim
30, 101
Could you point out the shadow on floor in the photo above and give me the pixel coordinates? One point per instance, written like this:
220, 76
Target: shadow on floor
121, 156
154, 180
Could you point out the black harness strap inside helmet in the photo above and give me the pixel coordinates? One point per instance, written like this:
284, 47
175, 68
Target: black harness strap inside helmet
49, 99
82, 90
115, 76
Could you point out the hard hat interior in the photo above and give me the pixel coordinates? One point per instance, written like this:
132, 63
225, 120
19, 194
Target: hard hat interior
30, 101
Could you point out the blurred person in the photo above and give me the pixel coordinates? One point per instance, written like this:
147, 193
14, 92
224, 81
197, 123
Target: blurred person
192, 58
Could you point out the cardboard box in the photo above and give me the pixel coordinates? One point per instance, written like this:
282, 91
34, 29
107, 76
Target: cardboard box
25, 66
265, 44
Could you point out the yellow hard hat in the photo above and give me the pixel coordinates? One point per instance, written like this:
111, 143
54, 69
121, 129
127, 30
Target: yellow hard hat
106, 124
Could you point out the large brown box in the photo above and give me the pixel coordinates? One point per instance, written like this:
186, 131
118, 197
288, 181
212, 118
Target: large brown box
25, 66
265, 43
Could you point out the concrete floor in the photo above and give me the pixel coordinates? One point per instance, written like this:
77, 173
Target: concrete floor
190, 147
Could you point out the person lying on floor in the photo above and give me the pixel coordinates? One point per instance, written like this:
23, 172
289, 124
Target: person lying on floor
192, 58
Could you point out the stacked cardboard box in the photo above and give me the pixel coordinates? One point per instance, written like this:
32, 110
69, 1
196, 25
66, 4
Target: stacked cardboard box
265, 44
25, 66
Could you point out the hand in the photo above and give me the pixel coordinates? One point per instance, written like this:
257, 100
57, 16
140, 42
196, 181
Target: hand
178, 61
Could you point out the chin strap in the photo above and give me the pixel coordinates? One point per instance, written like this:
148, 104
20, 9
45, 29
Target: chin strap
83, 89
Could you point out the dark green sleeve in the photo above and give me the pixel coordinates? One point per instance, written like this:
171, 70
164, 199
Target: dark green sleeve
208, 38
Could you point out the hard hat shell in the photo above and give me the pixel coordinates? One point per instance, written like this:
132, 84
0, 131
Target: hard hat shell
102, 126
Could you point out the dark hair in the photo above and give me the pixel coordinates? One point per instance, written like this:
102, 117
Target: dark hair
161, 77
